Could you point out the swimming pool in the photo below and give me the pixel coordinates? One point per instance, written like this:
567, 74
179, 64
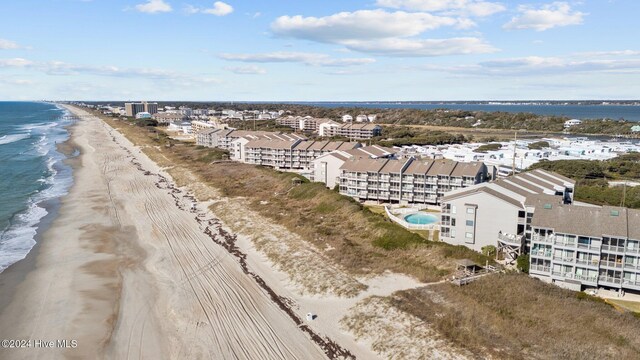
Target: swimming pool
421, 219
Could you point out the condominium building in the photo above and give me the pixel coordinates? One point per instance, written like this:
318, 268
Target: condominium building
198, 126
306, 123
495, 213
412, 181
585, 246
326, 168
223, 138
167, 118
132, 109
293, 155
356, 131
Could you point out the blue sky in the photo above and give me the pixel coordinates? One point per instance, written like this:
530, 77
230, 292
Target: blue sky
286, 50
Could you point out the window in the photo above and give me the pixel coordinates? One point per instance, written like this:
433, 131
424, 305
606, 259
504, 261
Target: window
453, 209
468, 235
469, 222
453, 221
471, 210
453, 233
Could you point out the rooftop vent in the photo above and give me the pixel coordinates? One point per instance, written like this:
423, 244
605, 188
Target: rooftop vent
615, 213
548, 206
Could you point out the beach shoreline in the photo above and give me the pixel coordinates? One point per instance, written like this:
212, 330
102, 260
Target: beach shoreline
125, 269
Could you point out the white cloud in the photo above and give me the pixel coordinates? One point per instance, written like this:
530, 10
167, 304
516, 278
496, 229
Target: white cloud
58, 68
383, 33
219, 9
153, 7
464, 7
361, 25
246, 70
15, 62
312, 59
537, 65
428, 47
552, 15
6, 45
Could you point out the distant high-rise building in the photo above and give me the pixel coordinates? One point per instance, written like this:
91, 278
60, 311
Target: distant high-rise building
132, 109
151, 108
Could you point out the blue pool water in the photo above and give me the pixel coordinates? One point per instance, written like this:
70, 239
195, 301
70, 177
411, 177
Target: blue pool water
421, 219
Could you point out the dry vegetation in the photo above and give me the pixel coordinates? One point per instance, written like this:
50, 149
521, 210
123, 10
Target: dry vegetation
517, 317
395, 334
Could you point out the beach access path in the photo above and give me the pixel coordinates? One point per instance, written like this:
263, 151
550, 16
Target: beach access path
131, 269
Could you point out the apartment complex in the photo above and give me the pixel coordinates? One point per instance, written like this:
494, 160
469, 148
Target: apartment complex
356, 131
306, 123
412, 181
585, 246
496, 213
223, 138
326, 168
292, 155
132, 109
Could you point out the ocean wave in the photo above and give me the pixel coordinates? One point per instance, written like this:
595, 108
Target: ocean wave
11, 138
18, 238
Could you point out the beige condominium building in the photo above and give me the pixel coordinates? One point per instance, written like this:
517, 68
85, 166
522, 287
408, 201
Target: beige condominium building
326, 168
411, 181
291, 155
223, 138
496, 213
356, 131
585, 246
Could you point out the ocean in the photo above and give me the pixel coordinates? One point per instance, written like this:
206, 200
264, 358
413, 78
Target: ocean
32, 173
615, 112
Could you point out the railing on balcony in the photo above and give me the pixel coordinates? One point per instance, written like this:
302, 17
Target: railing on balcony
591, 262
544, 254
564, 259
585, 278
540, 268
510, 238
566, 275
609, 279
611, 264
588, 247
611, 248
632, 266
544, 239
632, 251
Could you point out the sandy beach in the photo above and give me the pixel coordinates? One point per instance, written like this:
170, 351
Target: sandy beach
134, 268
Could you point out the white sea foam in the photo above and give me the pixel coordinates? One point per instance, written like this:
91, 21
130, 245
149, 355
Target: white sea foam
11, 138
19, 238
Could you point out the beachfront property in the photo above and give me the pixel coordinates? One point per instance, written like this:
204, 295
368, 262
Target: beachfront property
326, 168
496, 213
306, 123
356, 131
169, 117
132, 109
407, 181
585, 246
198, 125
290, 155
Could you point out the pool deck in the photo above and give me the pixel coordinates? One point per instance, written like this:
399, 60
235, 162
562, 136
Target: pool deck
398, 216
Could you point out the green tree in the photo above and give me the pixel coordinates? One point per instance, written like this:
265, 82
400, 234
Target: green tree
522, 263
489, 250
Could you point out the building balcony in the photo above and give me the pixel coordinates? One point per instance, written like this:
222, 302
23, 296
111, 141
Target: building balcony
586, 278
611, 248
511, 239
632, 267
543, 239
564, 259
632, 251
611, 264
542, 254
592, 263
609, 279
540, 268
589, 247
564, 243
566, 275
